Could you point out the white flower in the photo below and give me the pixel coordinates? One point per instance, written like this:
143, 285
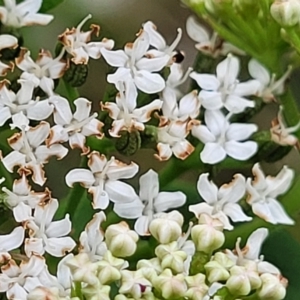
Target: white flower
221, 203
78, 44
263, 192
209, 44
43, 71
124, 112
30, 154
281, 134
47, 235
136, 63
251, 253
73, 128
187, 108
22, 199
149, 204
222, 138
102, 180
10, 242
20, 107
23, 14
268, 86
18, 281
171, 139
91, 239
224, 90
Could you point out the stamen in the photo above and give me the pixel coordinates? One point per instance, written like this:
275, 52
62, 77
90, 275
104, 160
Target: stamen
175, 43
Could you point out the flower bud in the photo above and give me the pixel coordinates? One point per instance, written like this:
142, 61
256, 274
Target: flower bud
207, 236
238, 282
166, 227
171, 257
197, 288
273, 287
149, 268
43, 293
121, 241
170, 286
286, 12
215, 272
129, 142
76, 74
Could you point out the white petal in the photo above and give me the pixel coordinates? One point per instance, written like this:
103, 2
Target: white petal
4, 115
259, 72
40, 111
237, 104
59, 228
202, 133
59, 246
116, 58
83, 108
240, 151
14, 158
13, 240
250, 87
141, 225
100, 197
228, 69
234, 191
43, 153
167, 200
119, 170
279, 213
62, 113
207, 189
215, 121
152, 64
235, 213
240, 132
119, 191
189, 105
85, 177
207, 82
122, 74
149, 186
212, 153
196, 31
255, 242
38, 134
155, 39
149, 83
130, 210
8, 41
211, 100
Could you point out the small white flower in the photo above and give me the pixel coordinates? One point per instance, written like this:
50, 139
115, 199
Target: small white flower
251, 253
46, 235
209, 43
124, 112
78, 44
18, 281
91, 239
23, 14
269, 87
224, 89
263, 192
43, 71
281, 134
22, 199
102, 180
222, 138
149, 204
29, 153
73, 127
135, 63
21, 107
171, 139
221, 203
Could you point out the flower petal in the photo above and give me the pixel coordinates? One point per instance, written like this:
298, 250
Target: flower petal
85, 177
241, 151
119, 191
207, 189
212, 153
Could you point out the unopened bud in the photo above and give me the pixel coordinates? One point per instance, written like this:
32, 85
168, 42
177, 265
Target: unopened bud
170, 286
286, 12
273, 287
197, 288
121, 241
238, 283
166, 227
207, 235
215, 272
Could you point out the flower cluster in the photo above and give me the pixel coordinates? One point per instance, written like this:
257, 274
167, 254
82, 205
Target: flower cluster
146, 241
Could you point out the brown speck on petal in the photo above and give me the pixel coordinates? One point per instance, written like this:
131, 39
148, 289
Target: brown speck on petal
95, 29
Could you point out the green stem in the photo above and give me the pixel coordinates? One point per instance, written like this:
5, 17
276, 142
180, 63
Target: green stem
72, 93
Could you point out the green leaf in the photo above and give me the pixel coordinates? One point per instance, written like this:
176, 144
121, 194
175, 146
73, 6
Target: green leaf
282, 250
49, 4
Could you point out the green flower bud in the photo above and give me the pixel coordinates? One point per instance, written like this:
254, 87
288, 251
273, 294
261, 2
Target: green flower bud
273, 287
286, 12
238, 283
215, 272
120, 240
128, 142
76, 75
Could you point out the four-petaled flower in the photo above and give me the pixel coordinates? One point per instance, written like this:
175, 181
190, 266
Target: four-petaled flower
221, 203
102, 180
222, 138
263, 192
